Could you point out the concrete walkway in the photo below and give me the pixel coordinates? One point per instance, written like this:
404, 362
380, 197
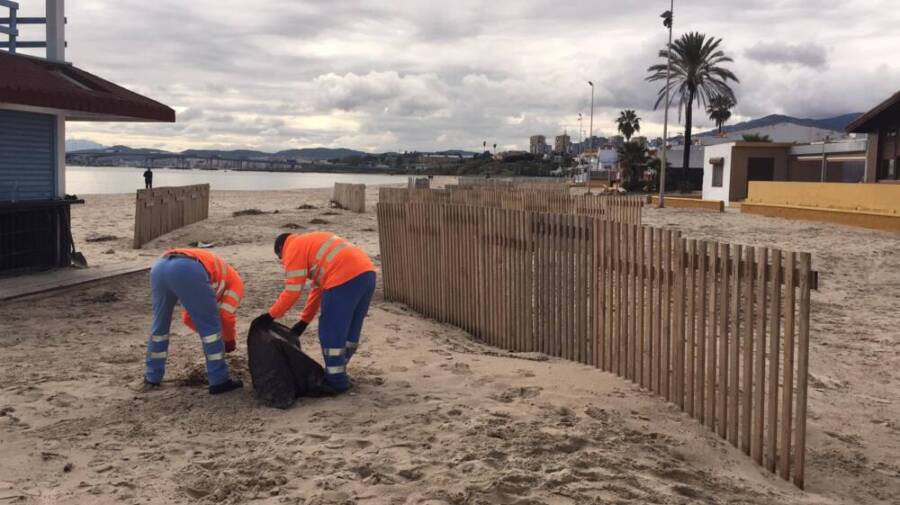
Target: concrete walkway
54, 280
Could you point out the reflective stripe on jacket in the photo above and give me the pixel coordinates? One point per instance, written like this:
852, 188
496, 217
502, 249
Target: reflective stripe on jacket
224, 281
322, 258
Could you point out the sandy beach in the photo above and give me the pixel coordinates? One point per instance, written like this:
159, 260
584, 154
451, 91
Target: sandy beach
435, 417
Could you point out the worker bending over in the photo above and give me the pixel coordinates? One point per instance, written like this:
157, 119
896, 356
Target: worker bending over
343, 281
210, 291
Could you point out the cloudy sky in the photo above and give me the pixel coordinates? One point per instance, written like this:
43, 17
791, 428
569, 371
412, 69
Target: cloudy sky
383, 75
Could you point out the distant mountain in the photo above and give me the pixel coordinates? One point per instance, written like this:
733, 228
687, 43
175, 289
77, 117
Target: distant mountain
124, 150
837, 123
319, 153
307, 154
237, 154
73, 145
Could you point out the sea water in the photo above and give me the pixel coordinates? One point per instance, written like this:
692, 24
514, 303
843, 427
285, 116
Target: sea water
106, 180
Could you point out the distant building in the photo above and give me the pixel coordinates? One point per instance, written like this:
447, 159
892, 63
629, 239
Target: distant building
675, 162
728, 168
607, 158
563, 144
593, 143
675, 157
538, 145
437, 160
780, 132
882, 127
617, 140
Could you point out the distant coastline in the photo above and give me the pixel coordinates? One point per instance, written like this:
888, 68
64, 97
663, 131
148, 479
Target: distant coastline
311, 168
83, 180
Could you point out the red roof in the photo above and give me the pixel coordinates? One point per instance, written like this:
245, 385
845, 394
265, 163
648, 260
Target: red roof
35, 82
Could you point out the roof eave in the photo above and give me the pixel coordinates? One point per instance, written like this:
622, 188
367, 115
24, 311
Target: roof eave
95, 117
861, 124
63, 89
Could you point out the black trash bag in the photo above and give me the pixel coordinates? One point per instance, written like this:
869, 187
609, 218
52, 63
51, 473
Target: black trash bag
281, 372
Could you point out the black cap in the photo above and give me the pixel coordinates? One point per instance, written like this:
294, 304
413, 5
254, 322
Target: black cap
279, 243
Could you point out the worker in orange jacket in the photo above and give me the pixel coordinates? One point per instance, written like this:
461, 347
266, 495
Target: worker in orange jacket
343, 281
210, 290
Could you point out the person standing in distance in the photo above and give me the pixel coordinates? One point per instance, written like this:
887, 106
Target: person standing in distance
148, 179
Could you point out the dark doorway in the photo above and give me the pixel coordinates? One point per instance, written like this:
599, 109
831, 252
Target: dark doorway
761, 169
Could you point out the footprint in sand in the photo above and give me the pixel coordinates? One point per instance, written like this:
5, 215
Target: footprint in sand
520, 393
458, 368
62, 400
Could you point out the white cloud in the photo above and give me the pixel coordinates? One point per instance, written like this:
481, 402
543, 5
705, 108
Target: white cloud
422, 74
807, 55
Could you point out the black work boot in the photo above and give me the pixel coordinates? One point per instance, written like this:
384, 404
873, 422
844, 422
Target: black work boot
225, 387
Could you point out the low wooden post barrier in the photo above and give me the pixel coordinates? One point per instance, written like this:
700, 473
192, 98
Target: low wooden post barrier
161, 210
350, 196
689, 203
720, 330
625, 208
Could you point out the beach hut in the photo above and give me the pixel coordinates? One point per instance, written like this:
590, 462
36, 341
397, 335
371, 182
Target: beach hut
37, 97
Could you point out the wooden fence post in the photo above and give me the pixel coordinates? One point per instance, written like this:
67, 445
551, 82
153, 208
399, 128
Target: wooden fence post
686, 319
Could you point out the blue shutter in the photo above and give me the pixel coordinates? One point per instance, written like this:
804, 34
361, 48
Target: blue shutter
27, 157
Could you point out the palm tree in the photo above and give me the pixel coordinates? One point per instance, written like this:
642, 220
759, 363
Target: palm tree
719, 110
628, 123
633, 159
697, 75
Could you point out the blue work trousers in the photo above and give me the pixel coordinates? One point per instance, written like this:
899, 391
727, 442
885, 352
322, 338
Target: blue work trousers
174, 279
343, 310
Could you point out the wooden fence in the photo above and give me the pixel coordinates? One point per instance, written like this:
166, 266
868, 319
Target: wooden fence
621, 208
161, 210
688, 203
720, 330
470, 181
418, 183
350, 196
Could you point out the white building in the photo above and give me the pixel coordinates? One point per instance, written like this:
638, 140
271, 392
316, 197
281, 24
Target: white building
729, 168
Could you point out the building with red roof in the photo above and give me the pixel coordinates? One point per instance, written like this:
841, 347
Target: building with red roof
37, 97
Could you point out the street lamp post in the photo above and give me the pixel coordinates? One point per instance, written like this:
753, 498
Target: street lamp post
590, 137
580, 129
669, 19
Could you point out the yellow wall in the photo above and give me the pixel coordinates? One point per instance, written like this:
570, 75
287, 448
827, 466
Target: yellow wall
873, 198
690, 203
875, 221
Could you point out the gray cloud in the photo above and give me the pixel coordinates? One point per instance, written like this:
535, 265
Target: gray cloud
808, 55
418, 74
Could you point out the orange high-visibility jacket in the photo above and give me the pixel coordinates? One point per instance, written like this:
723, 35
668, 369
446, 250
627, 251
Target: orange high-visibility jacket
224, 281
324, 259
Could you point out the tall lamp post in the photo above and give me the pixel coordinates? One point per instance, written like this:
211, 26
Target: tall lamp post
667, 22
580, 129
590, 136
